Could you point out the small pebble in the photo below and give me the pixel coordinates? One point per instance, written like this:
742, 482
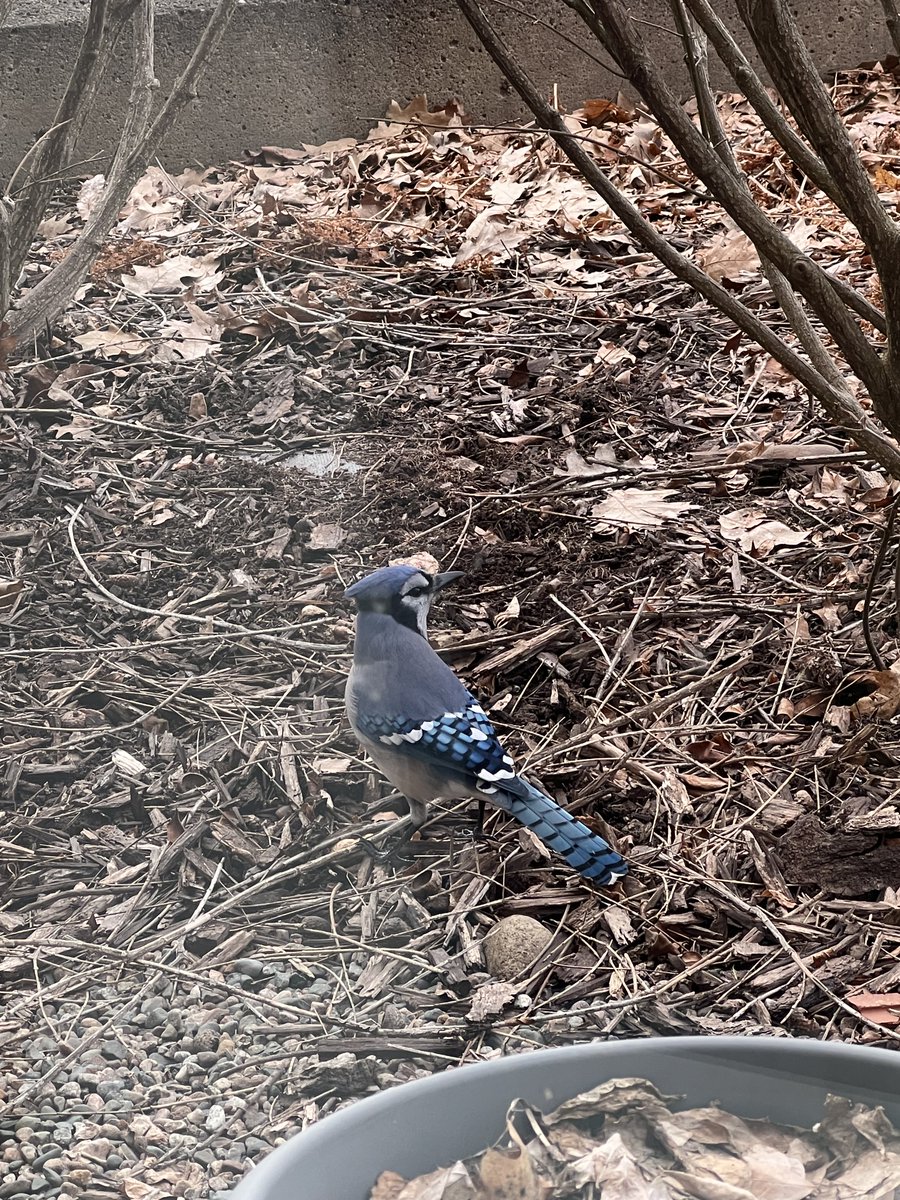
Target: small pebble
216, 1118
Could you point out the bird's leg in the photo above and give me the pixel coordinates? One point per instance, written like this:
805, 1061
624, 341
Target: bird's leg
478, 833
390, 850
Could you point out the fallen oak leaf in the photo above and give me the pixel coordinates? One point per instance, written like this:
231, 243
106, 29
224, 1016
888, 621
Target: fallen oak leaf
577, 467
639, 508
869, 694
729, 255
111, 342
753, 531
174, 275
187, 341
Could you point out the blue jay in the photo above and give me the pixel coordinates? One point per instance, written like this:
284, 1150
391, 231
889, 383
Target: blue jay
429, 735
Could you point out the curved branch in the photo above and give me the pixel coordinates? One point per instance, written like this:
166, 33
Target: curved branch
139, 141
843, 410
614, 26
740, 70
714, 132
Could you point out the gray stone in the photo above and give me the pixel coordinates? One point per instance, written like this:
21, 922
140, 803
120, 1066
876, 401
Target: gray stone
321, 987
109, 1087
114, 1049
249, 966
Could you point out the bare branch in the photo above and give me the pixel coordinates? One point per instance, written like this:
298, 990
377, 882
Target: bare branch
738, 66
891, 19
42, 302
794, 73
185, 89
41, 164
622, 40
844, 411
792, 307
5, 276
140, 140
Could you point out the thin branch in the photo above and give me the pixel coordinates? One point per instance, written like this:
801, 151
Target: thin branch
789, 62
883, 544
747, 80
5, 275
185, 89
557, 32
622, 40
845, 412
41, 303
139, 142
891, 19
711, 124
53, 150
5, 10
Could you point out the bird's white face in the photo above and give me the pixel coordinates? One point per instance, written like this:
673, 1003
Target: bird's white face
414, 601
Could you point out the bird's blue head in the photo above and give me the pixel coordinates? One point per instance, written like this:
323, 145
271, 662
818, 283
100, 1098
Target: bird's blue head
403, 592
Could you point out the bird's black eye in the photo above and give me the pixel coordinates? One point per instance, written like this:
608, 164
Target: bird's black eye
417, 591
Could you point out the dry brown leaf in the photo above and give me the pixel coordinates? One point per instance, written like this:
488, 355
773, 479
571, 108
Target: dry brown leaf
417, 110
756, 534
869, 694
490, 234
729, 255
603, 112
276, 404
885, 180
388, 1186
612, 1167
490, 999
112, 343
579, 468
10, 591
174, 275
618, 921
447, 1183
326, 536
187, 341
639, 508
89, 195
197, 410
508, 1175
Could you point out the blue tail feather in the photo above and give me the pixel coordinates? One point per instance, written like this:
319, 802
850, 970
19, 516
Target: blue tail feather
583, 850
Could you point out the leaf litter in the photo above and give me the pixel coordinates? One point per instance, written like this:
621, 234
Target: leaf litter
280, 374
623, 1140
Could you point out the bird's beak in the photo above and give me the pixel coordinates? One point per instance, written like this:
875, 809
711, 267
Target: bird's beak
445, 577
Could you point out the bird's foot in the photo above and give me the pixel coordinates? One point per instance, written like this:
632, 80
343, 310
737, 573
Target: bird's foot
390, 851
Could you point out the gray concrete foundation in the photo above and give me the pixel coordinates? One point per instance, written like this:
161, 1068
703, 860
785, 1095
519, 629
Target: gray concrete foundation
307, 70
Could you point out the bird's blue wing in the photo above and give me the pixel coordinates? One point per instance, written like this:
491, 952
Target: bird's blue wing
462, 743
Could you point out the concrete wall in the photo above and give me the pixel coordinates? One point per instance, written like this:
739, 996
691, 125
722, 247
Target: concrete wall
307, 70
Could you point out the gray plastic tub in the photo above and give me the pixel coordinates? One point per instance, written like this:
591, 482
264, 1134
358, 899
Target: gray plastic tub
432, 1122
